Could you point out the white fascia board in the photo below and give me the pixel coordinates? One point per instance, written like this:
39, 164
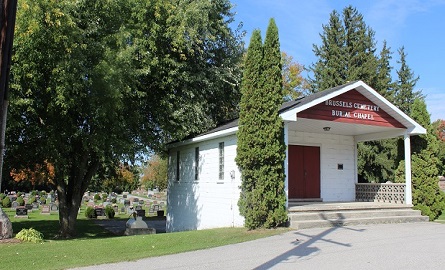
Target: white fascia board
291, 115
206, 137
414, 128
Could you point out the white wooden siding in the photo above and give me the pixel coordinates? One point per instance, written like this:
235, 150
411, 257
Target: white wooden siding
208, 202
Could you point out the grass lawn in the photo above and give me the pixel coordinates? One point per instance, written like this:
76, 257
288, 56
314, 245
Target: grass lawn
95, 245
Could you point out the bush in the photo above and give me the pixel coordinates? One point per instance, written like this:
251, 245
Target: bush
42, 200
32, 199
104, 197
113, 200
2, 196
109, 212
96, 197
30, 235
19, 194
6, 202
33, 193
89, 212
21, 201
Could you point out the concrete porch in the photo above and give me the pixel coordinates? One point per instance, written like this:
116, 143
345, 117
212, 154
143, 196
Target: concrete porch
303, 215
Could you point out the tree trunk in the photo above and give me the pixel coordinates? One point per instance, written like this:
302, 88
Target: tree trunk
70, 193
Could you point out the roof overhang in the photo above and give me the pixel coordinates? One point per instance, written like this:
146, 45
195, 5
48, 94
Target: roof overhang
361, 132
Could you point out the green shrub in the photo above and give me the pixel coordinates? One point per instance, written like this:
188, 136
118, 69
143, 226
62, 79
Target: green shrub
96, 197
32, 199
104, 197
113, 200
30, 235
33, 193
42, 200
89, 212
21, 201
6, 202
2, 196
109, 212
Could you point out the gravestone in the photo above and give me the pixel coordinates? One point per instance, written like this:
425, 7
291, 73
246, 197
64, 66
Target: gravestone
46, 210
122, 210
135, 200
5, 226
140, 213
99, 212
116, 209
21, 212
54, 207
28, 206
156, 207
124, 196
138, 207
35, 205
126, 203
14, 204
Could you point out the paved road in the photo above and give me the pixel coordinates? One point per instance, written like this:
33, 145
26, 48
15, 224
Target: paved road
385, 246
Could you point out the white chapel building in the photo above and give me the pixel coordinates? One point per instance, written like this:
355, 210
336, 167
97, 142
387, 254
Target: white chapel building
321, 133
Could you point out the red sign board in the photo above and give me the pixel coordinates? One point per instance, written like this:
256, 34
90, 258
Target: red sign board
351, 107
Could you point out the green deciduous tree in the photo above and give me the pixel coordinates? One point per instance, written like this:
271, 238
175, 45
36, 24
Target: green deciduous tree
98, 82
260, 148
155, 173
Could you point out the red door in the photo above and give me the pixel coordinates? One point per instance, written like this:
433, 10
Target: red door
304, 172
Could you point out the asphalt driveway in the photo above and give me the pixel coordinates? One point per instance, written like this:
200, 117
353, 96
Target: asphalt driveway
384, 246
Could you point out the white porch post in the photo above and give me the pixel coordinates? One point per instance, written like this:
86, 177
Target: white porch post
408, 189
286, 165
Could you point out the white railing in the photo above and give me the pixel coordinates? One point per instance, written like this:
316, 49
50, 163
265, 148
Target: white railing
380, 192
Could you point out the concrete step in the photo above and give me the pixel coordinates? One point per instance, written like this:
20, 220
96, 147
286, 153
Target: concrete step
335, 215
305, 224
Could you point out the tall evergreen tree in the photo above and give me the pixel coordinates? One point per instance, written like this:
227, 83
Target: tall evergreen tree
346, 52
384, 84
404, 94
261, 149
427, 196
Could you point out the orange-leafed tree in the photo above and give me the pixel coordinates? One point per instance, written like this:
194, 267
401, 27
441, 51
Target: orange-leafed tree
293, 82
155, 173
39, 174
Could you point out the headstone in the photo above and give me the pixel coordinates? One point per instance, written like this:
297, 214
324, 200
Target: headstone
135, 200
45, 209
99, 212
141, 202
138, 207
54, 207
28, 206
91, 204
116, 209
126, 202
151, 210
14, 204
124, 196
122, 210
140, 213
35, 205
5, 226
21, 212
156, 207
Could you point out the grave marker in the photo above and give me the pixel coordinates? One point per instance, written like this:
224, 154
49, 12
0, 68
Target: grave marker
21, 212
54, 207
14, 205
45, 210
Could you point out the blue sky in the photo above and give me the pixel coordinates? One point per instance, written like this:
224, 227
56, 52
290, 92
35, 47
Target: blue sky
417, 25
